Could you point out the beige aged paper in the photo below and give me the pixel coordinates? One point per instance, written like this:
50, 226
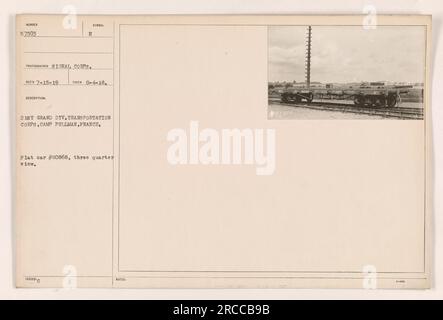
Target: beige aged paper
130, 173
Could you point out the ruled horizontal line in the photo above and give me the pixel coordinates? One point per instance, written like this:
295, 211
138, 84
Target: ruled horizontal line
71, 69
78, 85
68, 276
272, 277
68, 52
78, 37
268, 271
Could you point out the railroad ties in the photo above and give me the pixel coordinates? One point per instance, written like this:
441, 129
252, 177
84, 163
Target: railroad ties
396, 112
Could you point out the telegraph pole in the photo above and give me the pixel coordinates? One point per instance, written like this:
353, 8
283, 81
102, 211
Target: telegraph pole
308, 58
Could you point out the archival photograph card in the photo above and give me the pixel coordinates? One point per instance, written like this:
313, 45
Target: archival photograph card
223, 151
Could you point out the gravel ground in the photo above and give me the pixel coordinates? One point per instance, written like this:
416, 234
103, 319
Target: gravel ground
280, 112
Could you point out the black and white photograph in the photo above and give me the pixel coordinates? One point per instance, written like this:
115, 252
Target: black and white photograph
346, 72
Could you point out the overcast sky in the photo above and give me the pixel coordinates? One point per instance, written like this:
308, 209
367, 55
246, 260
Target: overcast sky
348, 54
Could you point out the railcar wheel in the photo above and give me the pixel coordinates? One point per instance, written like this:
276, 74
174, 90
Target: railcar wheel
378, 101
392, 101
310, 97
375, 101
284, 98
358, 101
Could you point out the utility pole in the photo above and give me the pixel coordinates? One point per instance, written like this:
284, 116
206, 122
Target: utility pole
308, 58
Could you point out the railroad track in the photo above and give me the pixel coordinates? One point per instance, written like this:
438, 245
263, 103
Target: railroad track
397, 112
